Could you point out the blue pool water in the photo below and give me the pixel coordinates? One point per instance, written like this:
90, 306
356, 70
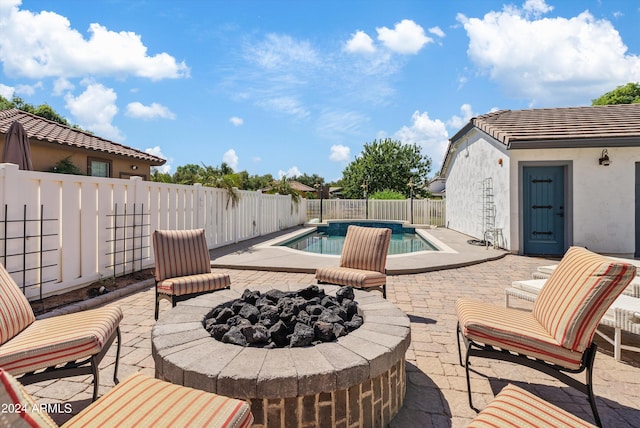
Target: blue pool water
330, 239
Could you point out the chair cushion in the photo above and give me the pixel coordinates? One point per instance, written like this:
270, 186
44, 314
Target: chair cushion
532, 286
577, 295
352, 277
18, 407
517, 408
15, 311
366, 248
142, 401
194, 284
59, 339
180, 253
514, 330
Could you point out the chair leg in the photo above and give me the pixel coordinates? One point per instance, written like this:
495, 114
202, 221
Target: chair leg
96, 377
466, 369
157, 302
458, 332
465, 364
115, 368
384, 290
589, 384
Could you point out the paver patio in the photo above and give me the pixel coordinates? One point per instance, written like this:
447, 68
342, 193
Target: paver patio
436, 387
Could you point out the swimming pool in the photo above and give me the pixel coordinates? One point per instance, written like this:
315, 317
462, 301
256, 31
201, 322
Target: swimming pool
329, 239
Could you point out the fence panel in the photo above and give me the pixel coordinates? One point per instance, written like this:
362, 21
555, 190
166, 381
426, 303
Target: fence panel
425, 211
94, 227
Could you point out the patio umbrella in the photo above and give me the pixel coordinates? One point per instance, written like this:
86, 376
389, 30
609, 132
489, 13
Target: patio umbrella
16, 147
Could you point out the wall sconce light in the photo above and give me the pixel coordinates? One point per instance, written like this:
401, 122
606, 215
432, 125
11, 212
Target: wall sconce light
500, 161
134, 167
604, 158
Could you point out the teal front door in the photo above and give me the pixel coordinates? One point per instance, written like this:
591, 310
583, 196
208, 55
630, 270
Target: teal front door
543, 210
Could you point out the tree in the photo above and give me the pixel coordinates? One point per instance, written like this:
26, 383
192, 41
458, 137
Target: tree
188, 174
257, 182
386, 165
160, 177
627, 94
43, 110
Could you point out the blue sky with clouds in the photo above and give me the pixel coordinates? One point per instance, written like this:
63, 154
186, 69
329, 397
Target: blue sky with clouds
291, 87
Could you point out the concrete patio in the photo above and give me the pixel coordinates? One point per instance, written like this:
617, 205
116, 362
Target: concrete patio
436, 387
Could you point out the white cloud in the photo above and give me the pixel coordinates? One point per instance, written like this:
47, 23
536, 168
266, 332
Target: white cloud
291, 172
140, 111
156, 151
536, 7
360, 42
571, 61
236, 121
28, 89
407, 37
7, 91
430, 134
337, 124
286, 104
340, 153
437, 31
230, 158
256, 159
95, 109
457, 122
44, 44
62, 85
279, 67
282, 51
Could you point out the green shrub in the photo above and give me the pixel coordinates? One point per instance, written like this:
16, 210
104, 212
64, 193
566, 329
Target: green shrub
65, 166
387, 194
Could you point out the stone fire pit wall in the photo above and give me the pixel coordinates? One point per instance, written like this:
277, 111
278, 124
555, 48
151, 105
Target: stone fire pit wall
356, 381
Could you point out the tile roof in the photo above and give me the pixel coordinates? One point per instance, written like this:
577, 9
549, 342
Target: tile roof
575, 124
48, 131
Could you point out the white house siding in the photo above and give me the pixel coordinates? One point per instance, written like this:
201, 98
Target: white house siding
602, 214
476, 158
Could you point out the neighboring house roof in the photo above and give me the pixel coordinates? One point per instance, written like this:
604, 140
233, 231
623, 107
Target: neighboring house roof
295, 185
437, 186
595, 126
45, 130
300, 187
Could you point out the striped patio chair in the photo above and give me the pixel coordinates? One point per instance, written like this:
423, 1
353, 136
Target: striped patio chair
183, 266
557, 336
138, 401
55, 347
363, 260
514, 407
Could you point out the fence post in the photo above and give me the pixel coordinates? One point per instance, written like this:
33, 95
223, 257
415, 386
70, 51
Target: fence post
199, 206
10, 182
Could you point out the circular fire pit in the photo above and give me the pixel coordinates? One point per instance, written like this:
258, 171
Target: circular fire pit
357, 380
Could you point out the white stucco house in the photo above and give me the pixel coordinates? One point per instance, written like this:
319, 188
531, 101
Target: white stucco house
538, 181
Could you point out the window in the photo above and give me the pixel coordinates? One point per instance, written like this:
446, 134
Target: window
98, 167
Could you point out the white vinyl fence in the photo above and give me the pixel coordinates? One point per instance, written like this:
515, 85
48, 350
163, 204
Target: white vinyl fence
59, 232
418, 211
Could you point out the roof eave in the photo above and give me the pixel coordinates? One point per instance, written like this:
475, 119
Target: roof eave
452, 141
572, 143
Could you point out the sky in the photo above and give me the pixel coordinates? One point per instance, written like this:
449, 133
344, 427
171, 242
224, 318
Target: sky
291, 87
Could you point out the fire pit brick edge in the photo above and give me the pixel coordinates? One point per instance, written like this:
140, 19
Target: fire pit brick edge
186, 354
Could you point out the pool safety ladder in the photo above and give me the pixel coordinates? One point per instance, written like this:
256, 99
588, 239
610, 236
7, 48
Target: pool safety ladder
490, 233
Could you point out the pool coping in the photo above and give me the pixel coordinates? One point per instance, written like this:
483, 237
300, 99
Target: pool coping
260, 254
